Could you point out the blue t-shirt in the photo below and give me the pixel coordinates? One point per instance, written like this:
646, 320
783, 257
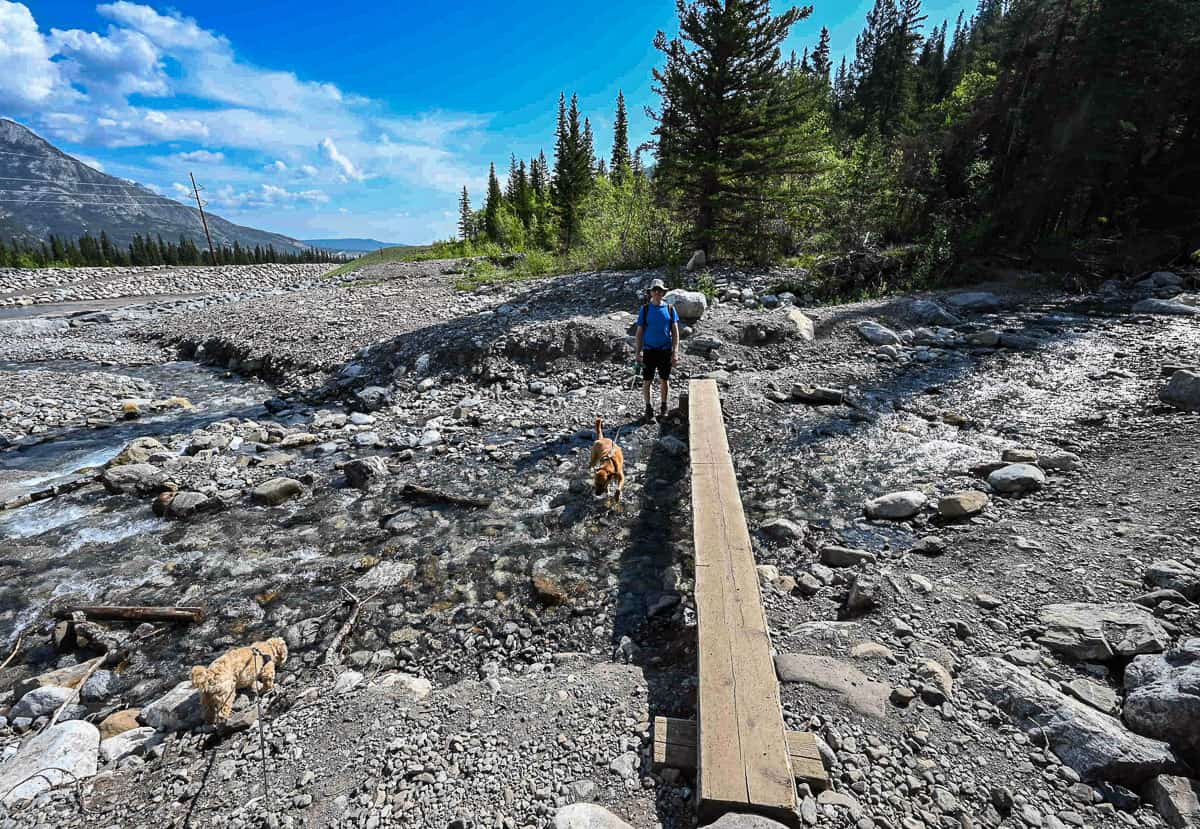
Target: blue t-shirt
657, 320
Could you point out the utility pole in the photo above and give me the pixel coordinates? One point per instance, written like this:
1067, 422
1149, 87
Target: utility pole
212, 254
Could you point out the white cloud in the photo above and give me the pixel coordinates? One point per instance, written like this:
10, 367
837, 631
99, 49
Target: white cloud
201, 157
266, 195
28, 76
168, 31
265, 136
348, 171
111, 68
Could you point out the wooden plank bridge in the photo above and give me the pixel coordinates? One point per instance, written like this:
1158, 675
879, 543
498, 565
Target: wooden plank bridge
745, 758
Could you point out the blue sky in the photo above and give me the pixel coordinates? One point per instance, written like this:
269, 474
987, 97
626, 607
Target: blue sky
359, 121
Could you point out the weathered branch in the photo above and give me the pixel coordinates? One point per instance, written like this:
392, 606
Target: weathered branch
332, 657
416, 492
188, 615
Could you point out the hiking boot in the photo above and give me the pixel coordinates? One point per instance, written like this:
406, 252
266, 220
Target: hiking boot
649, 412
662, 412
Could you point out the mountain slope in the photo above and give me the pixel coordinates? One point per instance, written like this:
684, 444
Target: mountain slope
352, 245
44, 191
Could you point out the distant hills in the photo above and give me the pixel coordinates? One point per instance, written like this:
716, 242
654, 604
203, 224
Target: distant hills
352, 245
44, 192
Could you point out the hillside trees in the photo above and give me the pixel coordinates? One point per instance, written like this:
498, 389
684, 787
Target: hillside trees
733, 127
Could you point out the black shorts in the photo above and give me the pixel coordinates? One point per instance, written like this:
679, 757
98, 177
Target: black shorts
656, 358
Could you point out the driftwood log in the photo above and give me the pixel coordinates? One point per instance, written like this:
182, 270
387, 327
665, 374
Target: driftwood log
185, 615
416, 492
818, 396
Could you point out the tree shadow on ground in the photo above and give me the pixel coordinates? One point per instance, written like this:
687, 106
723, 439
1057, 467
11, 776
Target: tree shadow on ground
651, 627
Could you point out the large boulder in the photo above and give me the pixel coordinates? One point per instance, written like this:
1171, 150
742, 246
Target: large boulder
803, 324
1099, 632
895, 506
32, 327
1177, 800
134, 479
44, 701
139, 450
587, 816
134, 741
1162, 698
1182, 391
360, 471
1170, 574
963, 504
275, 491
931, 313
1165, 307
690, 305
877, 334
58, 756
1016, 478
975, 301
177, 710
183, 504
1095, 745
849, 683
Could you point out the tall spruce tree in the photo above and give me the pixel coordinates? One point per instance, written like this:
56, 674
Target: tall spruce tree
491, 208
620, 165
466, 223
731, 124
572, 170
821, 63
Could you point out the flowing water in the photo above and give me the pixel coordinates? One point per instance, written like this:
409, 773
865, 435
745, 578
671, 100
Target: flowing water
258, 569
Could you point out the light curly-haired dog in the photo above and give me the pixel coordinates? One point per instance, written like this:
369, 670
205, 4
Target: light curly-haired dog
249, 667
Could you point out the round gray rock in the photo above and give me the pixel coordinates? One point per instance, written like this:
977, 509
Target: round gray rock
1017, 477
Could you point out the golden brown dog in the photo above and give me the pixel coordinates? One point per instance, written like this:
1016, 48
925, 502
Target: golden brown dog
249, 667
608, 463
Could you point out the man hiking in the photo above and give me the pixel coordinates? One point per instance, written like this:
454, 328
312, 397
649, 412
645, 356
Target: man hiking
657, 345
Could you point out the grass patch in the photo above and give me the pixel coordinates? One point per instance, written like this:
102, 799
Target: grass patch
375, 257
536, 263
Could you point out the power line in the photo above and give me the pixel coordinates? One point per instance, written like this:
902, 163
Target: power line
74, 203
83, 183
16, 191
48, 158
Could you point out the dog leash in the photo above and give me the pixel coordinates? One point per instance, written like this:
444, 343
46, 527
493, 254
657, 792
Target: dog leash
262, 740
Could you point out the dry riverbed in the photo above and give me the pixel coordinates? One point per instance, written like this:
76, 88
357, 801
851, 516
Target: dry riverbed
979, 560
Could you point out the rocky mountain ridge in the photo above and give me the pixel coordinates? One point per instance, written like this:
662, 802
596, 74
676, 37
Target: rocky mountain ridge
44, 192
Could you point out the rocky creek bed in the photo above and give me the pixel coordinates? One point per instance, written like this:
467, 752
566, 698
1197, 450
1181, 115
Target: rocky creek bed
979, 556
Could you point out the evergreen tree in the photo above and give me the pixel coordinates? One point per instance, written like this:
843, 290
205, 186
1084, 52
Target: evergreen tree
572, 170
821, 64
491, 209
466, 230
620, 162
731, 124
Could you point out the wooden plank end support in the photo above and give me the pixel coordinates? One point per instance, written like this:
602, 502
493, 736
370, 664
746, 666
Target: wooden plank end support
744, 762
675, 747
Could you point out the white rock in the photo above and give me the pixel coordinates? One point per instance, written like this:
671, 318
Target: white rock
72, 746
347, 681
896, 506
690, 305
1017, 477
804, 325
587, 816
134, 741
876, 334
417, 687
